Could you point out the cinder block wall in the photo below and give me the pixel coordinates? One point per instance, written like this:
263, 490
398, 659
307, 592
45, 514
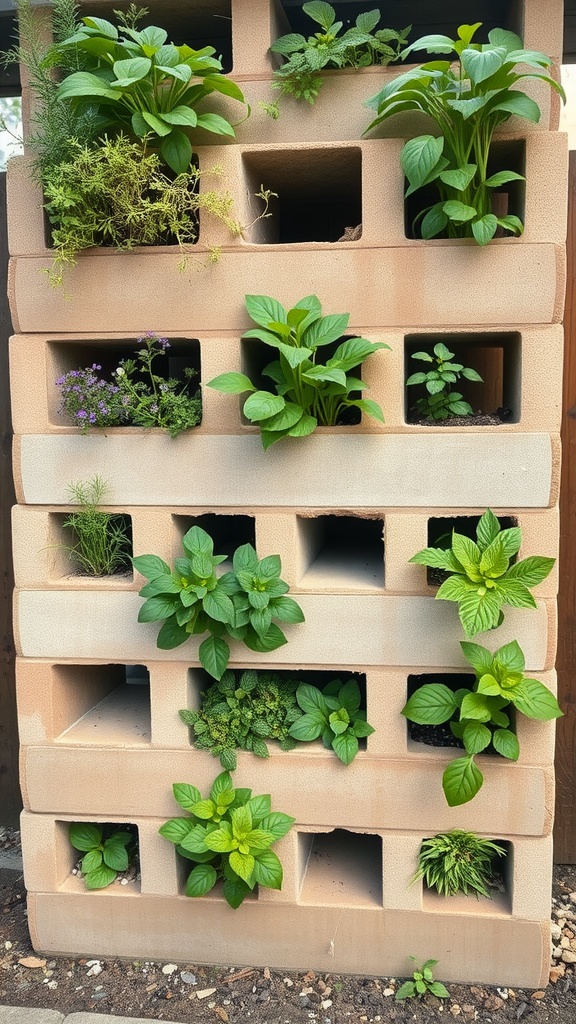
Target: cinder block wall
95, 747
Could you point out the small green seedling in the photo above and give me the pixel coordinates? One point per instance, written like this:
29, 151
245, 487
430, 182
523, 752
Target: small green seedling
441, 402
104, 857
423, 982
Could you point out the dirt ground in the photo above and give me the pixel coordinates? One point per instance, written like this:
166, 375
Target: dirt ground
206, 995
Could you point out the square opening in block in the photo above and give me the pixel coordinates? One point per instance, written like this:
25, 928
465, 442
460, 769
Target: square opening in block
101, 705
497, 875
494, 356
99, 857
340, 868
270, 701
440, 530
85, 364
202, 23
319, 193
341, 553
227, 531
427, 17
90, 544
507, 200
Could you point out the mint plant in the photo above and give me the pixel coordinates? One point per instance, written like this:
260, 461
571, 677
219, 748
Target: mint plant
104, 856
482, 577
241, 714
458, 861
307, 393
102, 539
193, 600
357, 47
441, 402
228, 836
479, 717
333, 714
135, 81
469, 96
422, 983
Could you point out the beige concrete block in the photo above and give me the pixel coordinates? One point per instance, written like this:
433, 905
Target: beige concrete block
330, 939
531, 859
338, 631
378, 471
52, 698
171, 689
400, 862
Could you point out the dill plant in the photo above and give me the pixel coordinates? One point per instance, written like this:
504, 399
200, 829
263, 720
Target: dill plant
102, 545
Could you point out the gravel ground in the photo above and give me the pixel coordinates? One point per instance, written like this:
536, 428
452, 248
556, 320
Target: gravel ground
205, 995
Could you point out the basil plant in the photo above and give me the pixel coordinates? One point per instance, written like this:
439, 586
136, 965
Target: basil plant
468, 96
193, 600
138, 82
479, 717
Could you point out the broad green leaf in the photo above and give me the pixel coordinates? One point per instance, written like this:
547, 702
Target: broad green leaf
311, 699
264, 644
531, 571
361, 729
235, 891
242, 864
100, 878
205, 809
476, 707
480, 65
307, 728
459, 212
430, 43
456, 588
277, 823
215, 124
510, 657
84, 83
419, 157
258, 840
432, 704
439, 990
305, 426
487, 530
133, 69
460, 178
265, 310
484, 229
502, 178
157, 608
176, 829
520, 104
461, 781
91, 861
506, 743
241, 820
186, 795
434, 222
105, 28
222, 788
259, 807
321, 12
437, 558
85, 836
368, 406
217, 83
489, 685
197, 543
245, 559
468, 554
286, 418
218, 606
214, 654
406, 991
201, 880
115, 856
171, 635
262, 405
514, 593
324, 373
479, 657
349, 697
339, 721
325, 330
345, 746
476, 737
494, 560
268, 870
288, 44
176, 150
511, 223
478, 611
286, 609
261, 619
534, 700
181, 115
151, 566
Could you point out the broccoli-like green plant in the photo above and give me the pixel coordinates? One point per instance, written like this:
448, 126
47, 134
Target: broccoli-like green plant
458, 861
104, 856
242, 714
333, 714
228, 837
194, 600
422, 982
308, 393
441, 402
357, 47
482, 578
478, 716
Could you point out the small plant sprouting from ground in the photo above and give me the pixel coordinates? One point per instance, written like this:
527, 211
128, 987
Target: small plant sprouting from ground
422, 982
441, 402
102, 545
106, 852
458, 861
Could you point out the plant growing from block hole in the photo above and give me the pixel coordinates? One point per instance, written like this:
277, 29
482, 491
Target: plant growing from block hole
479, 717
192, 600
102, 545
468, 96
441, 402
228, 837
458, 861
106, 852
334, 715
307, 393
482, 577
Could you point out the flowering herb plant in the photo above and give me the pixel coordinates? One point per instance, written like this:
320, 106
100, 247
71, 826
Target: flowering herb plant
136, 396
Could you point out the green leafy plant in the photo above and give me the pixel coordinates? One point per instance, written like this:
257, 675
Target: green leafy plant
333, 714
308, 393
468, 96
228, 836
441, 402
422, 982
478, 717
102, 545
458, 861
482, 579
357, 47
104, 854
194, 600
241, 714
139, 83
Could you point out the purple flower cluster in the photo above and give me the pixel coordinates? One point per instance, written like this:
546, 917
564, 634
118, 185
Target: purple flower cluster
89, 400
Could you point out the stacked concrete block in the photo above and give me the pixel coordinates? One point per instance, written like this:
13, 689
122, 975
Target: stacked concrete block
101, 737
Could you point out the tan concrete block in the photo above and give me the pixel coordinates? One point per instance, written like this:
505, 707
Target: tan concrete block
531, 859
171, 689
428, 470
400, 862
48, 856
338, 631
52, 698
326, 938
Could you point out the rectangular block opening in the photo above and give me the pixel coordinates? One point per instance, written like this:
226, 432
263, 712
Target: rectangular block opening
341, 552
227, 531
496, 357
203, 23
340, 868
101, 705
319, 193
500, 889
90, 548
181, 362
427, 17
440, 536
126, 882
510, 199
